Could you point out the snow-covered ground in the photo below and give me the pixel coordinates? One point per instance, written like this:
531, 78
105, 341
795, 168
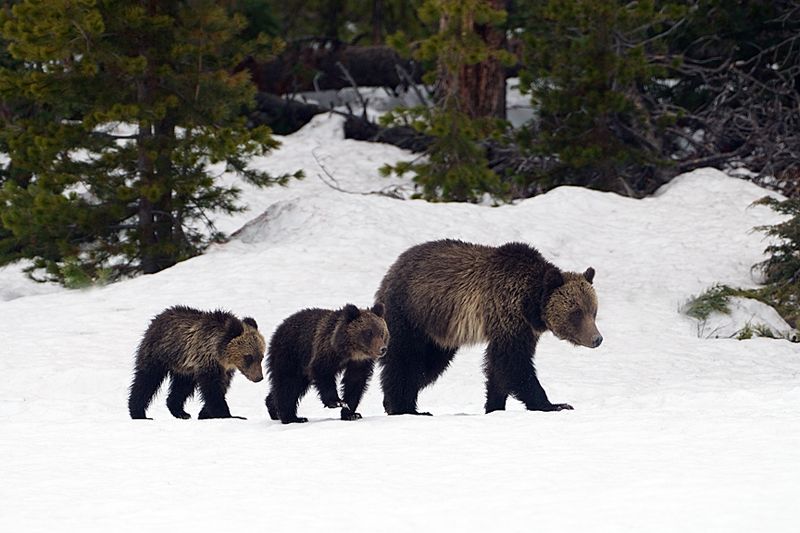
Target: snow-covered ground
670, 432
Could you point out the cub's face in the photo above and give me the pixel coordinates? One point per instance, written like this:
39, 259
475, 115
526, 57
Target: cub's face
246, 352
571, 311
368, 334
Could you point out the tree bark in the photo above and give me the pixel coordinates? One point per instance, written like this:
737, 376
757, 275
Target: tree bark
479, 89
167, 226
145, 170
155, 173
332, 14
377, 22
483, 86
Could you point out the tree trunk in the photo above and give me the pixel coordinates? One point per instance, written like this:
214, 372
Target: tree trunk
154, 143
479, 89
377, 22
483, 85
166, 225
332, 15
145, 170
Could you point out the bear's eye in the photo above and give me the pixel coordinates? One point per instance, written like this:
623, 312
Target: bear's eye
367, 336
575, 317
249, 360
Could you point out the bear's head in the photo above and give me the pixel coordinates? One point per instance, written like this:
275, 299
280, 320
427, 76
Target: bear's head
245, 348
571, 307
362, 333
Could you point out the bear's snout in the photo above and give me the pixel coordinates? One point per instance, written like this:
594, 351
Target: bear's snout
597, 340
253, 375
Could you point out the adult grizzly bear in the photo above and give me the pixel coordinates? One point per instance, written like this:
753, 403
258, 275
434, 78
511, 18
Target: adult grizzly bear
314, 346
198, 349
444, 294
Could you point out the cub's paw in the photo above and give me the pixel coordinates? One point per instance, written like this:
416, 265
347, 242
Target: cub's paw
347, 414
181, 414
554, 407
415, 413
206, 414
335, 404
295, 420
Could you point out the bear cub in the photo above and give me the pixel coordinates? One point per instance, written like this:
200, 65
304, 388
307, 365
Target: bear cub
197, 349
314, 346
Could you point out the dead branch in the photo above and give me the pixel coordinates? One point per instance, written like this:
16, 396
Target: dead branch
331, 181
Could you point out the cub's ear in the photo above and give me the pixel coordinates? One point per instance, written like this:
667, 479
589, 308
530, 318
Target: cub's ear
233, 328
589, 274
250, 322
552, 280
350, 312
378, 309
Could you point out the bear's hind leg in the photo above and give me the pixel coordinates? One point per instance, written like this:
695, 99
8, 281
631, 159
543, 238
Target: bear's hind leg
436, 360
496, 392
180, 388
271, 409
404, 372
146, 381
285, 397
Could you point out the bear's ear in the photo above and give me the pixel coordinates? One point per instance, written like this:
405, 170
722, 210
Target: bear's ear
552, 280
250, 322
589, 274
233, 328
350, 312
378, 309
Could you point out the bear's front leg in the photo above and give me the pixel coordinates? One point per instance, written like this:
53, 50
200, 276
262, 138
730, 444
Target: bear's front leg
510, 367
354, 383
213, 385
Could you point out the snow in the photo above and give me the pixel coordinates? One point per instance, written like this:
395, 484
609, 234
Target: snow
379, 101
744, 314
670, 431
519, 110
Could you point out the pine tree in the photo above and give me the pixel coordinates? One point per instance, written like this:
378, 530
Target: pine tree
349, 21
470, 99
782, 267
738, 84
133, 101
587, 66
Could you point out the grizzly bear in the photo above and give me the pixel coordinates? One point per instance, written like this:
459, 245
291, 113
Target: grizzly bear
197, 349
314, 346
445, 294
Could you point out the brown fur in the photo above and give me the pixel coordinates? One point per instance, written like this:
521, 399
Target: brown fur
314, 346
572, 309
198, 349
235, 354
442, 295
